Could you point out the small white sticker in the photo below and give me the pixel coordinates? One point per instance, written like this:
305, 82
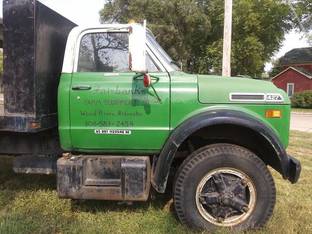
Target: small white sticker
112, 132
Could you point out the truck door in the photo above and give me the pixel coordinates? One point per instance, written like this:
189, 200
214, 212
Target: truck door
110, 109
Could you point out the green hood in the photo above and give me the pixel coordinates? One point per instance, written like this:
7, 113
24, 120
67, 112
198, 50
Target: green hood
220, 90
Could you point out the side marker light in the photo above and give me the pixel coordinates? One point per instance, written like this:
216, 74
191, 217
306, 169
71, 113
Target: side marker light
273, 114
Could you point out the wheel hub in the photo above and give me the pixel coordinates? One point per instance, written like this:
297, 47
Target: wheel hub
225, 197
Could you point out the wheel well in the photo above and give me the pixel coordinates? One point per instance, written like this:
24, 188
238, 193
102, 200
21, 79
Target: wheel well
233, 134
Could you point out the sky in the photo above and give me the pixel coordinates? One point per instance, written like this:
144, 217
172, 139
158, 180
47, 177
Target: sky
87, 12
79, 11
292, 40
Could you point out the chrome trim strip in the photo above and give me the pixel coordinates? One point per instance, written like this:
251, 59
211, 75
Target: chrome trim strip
256, 97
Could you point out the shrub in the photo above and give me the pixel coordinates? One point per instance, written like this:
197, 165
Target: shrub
302, 99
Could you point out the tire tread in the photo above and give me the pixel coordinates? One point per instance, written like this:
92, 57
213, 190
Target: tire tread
210, 151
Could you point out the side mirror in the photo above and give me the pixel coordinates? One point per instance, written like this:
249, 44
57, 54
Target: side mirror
137, 48
147, 80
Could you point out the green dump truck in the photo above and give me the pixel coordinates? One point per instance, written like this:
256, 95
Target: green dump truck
106, 109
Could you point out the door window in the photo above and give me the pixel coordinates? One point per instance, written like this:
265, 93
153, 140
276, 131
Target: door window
104, 52
107, 52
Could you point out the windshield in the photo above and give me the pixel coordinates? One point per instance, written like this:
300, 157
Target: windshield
161, 51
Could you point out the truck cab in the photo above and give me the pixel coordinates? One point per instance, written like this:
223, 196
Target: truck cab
109, 112
121, 95
101, 99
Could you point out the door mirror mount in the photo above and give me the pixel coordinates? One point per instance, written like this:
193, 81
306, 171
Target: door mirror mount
137, 48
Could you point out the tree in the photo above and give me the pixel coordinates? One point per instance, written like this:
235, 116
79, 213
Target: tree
258, 30
276, 69
181, 26
192, 30
302, 10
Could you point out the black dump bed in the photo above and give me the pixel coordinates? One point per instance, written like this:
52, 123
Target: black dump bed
34, 45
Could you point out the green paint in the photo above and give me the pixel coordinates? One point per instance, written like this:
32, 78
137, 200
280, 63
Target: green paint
121, 102
118, 102
212, 89
64, 90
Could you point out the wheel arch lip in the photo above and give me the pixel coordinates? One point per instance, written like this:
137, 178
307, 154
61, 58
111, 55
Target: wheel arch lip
290, 167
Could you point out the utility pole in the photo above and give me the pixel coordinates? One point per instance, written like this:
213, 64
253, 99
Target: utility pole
227, 38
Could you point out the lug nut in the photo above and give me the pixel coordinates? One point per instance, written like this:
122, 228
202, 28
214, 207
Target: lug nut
245, 208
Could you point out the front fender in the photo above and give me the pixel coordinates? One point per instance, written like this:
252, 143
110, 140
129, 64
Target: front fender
290, 168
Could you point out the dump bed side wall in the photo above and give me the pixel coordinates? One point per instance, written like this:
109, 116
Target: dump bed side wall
34, 46
19, 58
51, 35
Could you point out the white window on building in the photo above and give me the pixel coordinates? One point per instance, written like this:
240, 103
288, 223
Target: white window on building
290, 89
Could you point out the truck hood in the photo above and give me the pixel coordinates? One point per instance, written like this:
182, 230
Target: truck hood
221, 90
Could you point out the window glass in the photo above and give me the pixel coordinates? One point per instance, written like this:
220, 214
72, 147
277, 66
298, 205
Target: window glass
104, 52
290, 89
150, 65
161, 51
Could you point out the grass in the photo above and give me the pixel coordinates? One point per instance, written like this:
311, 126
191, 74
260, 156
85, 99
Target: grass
29, 204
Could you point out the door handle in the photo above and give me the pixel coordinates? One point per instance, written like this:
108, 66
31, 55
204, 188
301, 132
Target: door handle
81, 87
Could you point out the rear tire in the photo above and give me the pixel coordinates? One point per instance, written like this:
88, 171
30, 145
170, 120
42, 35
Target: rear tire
224, 185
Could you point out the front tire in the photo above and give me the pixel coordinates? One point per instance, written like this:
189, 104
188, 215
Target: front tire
224, 185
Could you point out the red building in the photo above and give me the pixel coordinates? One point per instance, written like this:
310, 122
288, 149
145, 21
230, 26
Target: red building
296, 75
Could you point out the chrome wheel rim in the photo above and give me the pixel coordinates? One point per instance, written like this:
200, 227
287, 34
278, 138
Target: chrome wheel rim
226, 197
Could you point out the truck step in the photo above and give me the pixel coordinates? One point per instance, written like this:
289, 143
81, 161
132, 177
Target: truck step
121, 178
35, 165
